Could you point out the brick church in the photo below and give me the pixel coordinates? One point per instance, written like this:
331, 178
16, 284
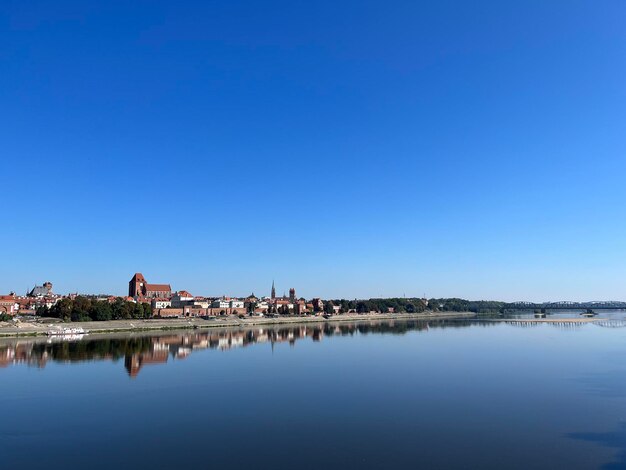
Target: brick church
139, 288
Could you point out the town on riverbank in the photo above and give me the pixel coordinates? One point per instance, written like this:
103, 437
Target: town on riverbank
146, 300
156, 306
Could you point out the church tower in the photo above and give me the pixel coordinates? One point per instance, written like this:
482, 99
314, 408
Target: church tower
136, 286
273, 291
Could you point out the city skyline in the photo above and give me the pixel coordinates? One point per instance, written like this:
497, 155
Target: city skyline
351, 149
271, 293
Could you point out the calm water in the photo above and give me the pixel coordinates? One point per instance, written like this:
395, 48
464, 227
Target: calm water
402, 394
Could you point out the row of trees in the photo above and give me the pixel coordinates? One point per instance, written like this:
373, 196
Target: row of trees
85, 309
416, 305
462, 305
408, 305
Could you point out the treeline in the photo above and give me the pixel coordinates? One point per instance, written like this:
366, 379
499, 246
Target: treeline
417, 305
85, 309
408, 305
462, 305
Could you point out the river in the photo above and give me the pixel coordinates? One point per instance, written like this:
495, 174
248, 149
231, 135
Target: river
403, 394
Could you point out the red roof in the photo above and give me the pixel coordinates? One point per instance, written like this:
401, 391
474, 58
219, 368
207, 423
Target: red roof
158, 287
138, 277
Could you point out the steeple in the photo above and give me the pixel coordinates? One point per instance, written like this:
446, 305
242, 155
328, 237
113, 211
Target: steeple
273, 290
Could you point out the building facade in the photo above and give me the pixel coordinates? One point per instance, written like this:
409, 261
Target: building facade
181, 298
8, 304
138, 287
45, 290
160, 303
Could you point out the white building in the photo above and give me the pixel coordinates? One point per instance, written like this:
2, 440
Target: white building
181, 298
160, 303
227, 303
220, 303
201, 303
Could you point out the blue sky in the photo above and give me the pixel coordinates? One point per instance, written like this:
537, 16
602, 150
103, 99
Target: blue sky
347, 149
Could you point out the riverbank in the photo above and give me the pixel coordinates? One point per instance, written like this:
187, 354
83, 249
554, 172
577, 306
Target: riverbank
40, 327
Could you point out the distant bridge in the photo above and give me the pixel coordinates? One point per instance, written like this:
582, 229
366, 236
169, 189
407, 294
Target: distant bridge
610, 305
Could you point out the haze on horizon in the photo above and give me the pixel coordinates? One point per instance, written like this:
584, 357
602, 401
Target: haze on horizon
348, 149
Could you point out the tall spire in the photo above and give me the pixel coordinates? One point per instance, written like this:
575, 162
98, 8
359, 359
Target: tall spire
273, 290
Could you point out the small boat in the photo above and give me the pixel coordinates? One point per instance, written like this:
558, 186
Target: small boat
68, 331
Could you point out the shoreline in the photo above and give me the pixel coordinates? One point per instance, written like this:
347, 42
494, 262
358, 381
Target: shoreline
41, 327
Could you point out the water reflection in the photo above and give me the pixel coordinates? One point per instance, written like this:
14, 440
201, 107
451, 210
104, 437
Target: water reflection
377, 394
139, 350
566, 314
142, 350
562, 325
614, 440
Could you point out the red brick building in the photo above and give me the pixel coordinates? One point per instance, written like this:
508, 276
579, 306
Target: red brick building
138, 287
8, 304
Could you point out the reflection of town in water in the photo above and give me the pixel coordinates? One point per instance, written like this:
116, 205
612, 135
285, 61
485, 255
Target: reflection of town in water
138, 351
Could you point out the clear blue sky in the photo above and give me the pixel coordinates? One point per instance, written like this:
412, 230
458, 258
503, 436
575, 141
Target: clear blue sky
344, 148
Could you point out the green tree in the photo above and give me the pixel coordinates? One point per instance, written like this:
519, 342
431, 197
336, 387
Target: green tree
62, 309
101, 311
138, 311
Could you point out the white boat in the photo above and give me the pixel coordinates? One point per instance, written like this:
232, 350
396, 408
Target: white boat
68, 331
